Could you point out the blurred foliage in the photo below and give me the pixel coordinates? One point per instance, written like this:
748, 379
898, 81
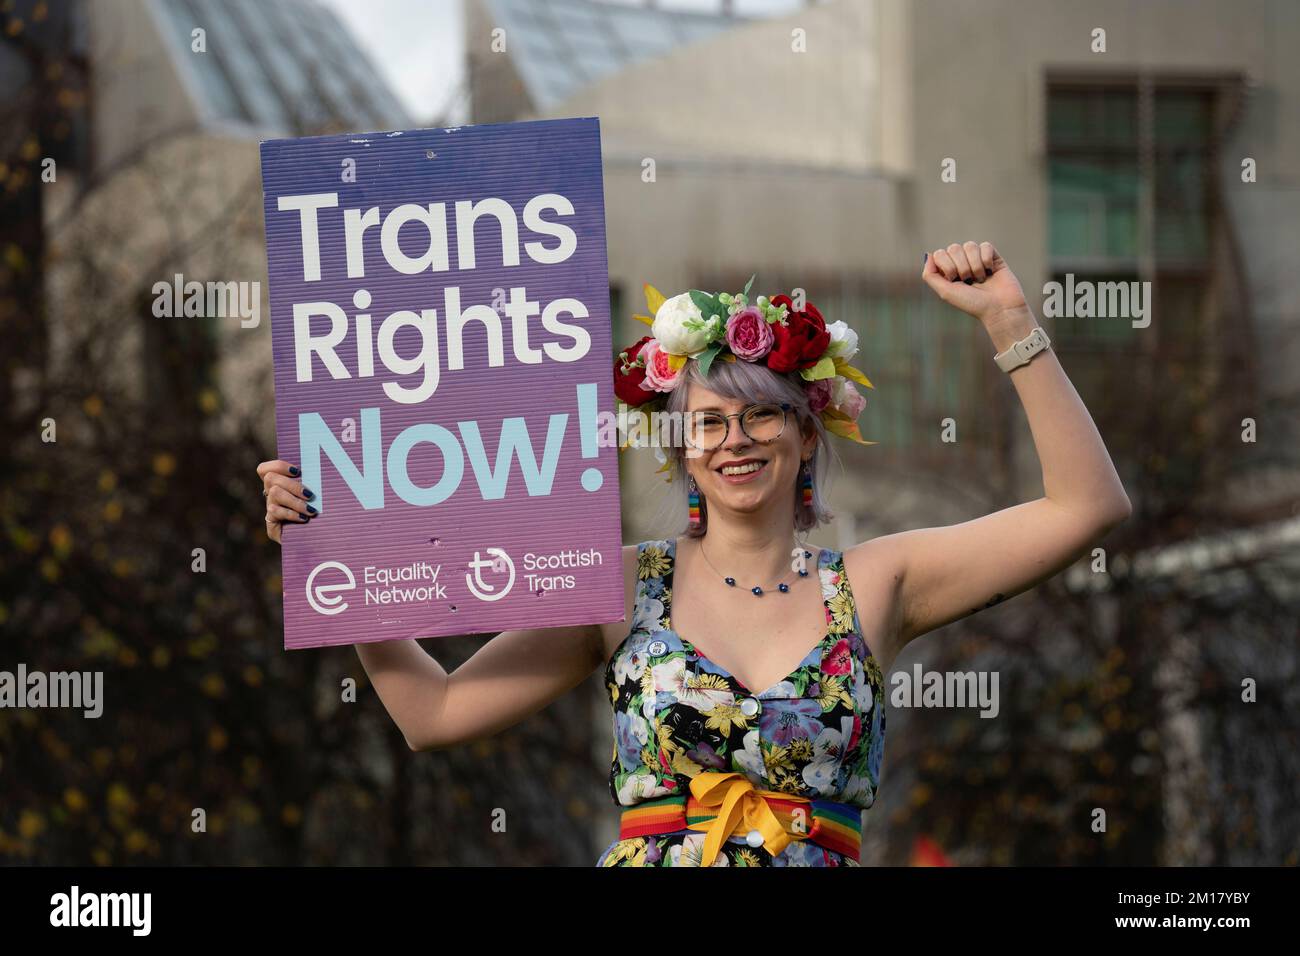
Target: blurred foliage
203, 708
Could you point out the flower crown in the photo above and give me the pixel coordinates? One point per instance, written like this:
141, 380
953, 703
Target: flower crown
705, 327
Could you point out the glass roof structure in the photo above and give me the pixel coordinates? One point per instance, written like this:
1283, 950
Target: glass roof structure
560, 46
278, 66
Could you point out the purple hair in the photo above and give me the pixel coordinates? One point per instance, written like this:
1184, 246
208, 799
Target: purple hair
751, 382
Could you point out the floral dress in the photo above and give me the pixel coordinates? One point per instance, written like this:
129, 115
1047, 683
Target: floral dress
819, 733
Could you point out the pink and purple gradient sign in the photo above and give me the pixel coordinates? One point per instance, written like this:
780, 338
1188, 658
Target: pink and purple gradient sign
441, 333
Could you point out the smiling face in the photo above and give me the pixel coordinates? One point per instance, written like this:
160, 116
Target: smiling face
742, 475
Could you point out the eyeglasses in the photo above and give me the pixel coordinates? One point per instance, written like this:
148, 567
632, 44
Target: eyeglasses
763, 423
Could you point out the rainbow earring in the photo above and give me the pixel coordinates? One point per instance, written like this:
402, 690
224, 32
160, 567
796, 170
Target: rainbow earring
806, 485
693, 502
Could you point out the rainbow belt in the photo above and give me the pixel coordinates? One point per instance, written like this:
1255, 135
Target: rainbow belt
728, 804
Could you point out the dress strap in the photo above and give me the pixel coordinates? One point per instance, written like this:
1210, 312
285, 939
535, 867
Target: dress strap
654, 563
843, 589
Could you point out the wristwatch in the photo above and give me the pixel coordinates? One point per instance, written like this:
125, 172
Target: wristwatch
1020, 353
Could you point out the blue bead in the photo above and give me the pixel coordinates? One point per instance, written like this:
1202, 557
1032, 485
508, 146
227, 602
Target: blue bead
803, 574
757, 589
807, 554
783, 587
730, 581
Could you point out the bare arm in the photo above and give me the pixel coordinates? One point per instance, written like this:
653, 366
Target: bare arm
510, 677
947, 573
513, 675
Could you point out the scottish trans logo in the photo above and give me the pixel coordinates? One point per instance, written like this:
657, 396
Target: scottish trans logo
499, 563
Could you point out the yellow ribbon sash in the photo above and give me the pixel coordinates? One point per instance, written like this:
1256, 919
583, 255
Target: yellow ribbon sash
740, 807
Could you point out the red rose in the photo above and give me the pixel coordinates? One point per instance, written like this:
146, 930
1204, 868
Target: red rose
801, 341
628, 376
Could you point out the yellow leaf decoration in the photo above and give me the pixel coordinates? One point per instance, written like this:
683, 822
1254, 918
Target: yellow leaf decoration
837, 423
825, 368
853, 375
653, 298
644, 318
728, 357
675, 362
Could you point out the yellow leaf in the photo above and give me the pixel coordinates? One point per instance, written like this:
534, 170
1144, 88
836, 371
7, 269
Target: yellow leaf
728, 357
853, 375
675, 362
644, 318
837, 423
825, 368
653, 298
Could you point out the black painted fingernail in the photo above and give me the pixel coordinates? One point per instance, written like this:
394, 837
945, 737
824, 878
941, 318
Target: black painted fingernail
308, 494
293, 470
311, 509
925, 257
968, 281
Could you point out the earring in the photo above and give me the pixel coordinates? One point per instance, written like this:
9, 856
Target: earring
806, 485
693, 502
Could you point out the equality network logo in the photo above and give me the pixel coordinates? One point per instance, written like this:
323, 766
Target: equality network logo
498, 564
329, 583
324, 597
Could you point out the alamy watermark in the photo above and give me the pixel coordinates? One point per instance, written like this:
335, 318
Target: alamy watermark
634, 428
1087, 299
214, 300
943, 689
76, 689
77, 909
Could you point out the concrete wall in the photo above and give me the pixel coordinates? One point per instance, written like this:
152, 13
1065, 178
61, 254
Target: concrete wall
137, 93
887, 92
747, 95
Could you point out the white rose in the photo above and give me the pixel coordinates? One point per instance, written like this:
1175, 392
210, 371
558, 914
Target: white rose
671, 329
844, 341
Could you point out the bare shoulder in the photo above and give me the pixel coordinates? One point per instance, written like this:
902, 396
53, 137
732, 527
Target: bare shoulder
875, 555
875, 571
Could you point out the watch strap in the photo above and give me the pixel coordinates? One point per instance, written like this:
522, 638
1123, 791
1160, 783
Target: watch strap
1021, 352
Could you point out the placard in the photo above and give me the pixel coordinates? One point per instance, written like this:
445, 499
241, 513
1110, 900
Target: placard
442, 345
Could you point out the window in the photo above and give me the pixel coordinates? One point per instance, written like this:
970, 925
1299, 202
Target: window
1109, 209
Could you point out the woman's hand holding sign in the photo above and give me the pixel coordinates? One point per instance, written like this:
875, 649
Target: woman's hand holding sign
286, 498
515, 674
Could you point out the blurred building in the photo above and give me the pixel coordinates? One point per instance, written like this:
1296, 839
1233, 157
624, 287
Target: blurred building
167, 181
728, 152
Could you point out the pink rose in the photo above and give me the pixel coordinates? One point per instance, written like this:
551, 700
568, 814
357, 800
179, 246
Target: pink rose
848, 399
659, 376
748, 334
819, 394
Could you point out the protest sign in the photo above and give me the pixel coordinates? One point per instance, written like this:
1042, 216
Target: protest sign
441, 339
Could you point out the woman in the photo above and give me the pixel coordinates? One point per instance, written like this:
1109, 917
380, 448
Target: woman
761, 745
